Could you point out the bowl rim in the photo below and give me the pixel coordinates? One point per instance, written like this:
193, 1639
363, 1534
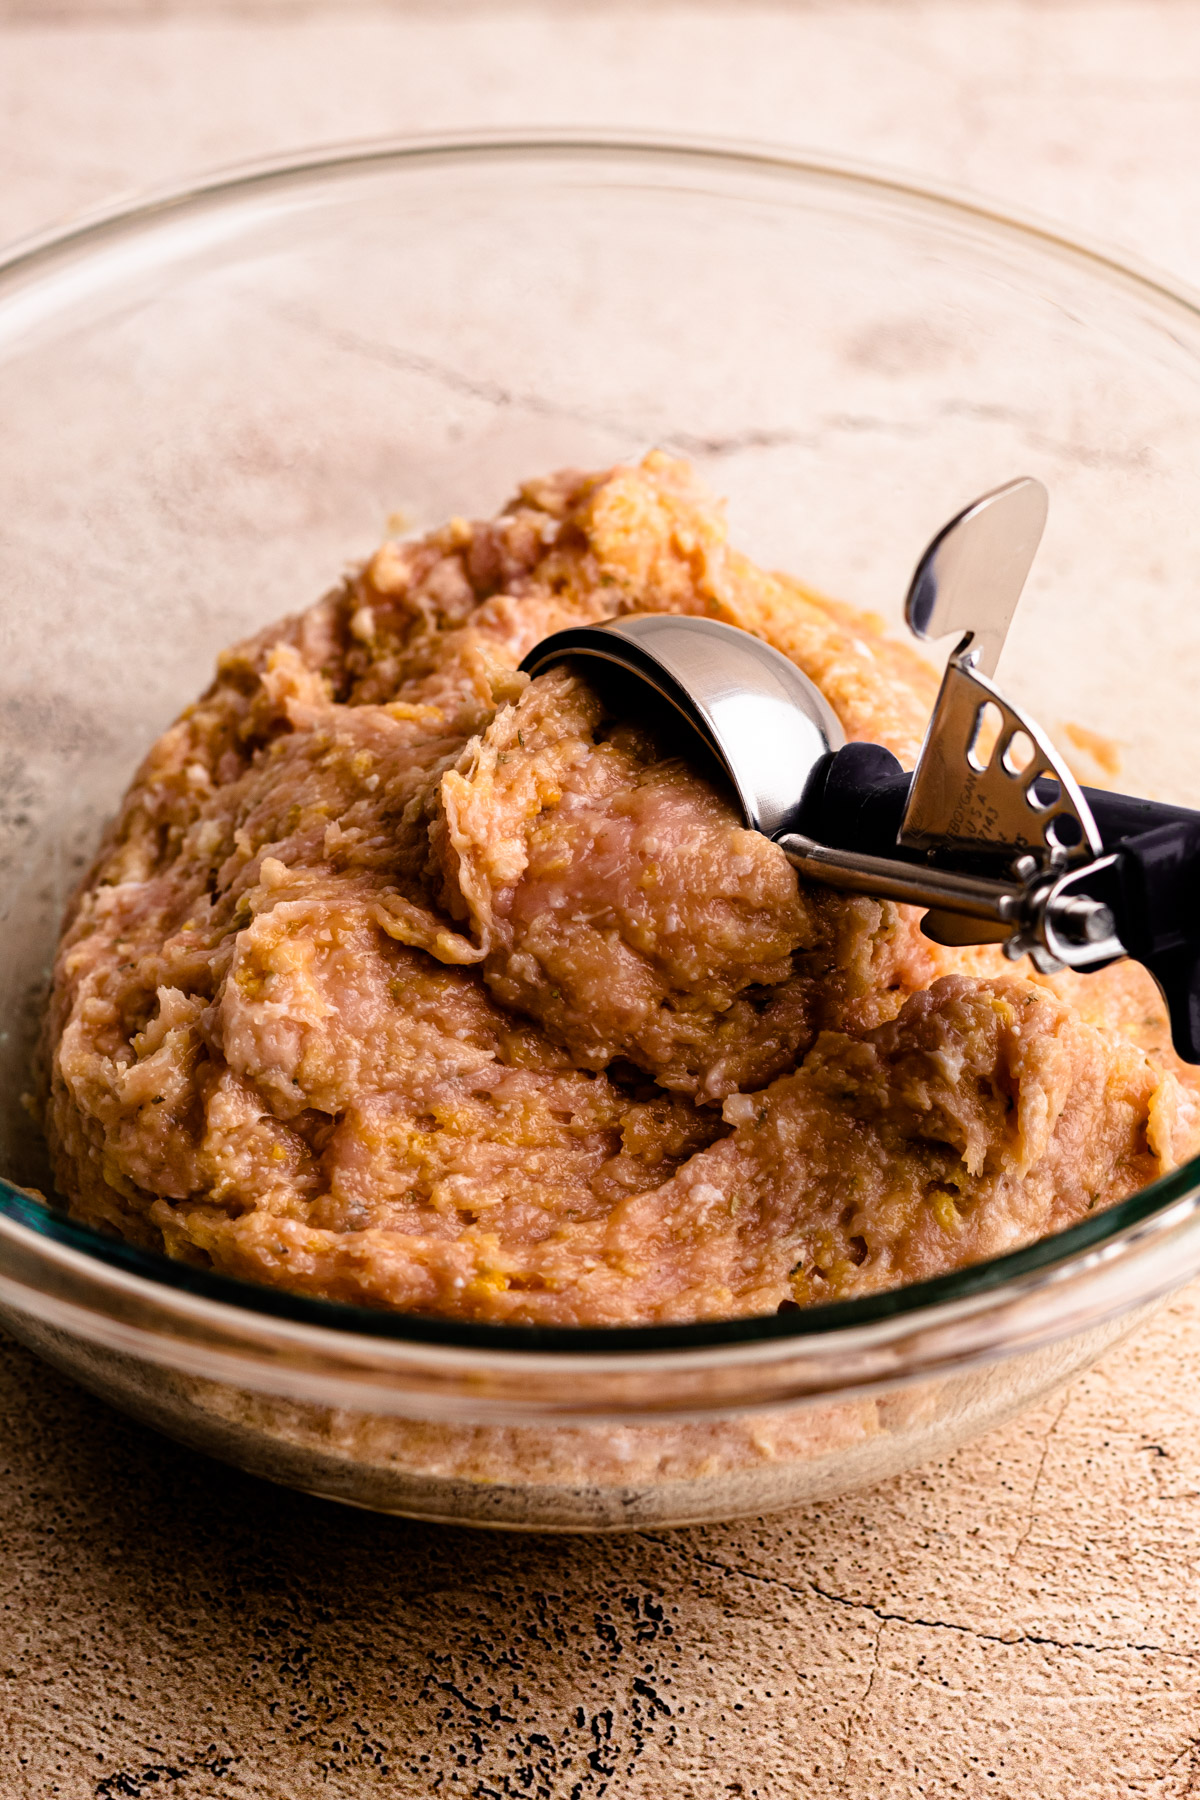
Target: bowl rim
1165, 1206
152, 204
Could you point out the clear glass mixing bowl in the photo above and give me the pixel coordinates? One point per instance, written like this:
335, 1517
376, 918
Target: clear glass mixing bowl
212, 401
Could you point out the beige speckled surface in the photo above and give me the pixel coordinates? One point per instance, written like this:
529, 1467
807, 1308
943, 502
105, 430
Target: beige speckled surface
1022, 1621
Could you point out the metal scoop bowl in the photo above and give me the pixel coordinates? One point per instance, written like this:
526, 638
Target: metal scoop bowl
768, 726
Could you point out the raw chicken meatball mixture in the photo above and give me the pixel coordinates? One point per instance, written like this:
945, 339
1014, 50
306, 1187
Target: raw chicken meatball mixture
402, 979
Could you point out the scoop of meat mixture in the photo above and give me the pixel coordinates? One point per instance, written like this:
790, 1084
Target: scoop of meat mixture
402, 979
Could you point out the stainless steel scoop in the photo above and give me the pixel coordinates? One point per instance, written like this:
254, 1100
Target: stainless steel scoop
767, 724
991, 832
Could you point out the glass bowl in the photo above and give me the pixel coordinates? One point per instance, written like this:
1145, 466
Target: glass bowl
214, 400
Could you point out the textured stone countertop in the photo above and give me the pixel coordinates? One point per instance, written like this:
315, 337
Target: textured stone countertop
1021, 1621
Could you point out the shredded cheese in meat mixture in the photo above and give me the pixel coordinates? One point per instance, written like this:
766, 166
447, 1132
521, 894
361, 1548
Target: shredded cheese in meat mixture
402, 979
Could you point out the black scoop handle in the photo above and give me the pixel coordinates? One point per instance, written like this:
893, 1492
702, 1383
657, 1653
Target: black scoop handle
856, 802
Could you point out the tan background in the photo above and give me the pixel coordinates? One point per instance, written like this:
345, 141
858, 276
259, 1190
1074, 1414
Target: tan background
1022, 1622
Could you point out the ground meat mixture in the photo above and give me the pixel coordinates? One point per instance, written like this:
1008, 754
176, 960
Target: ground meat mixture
401, 979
